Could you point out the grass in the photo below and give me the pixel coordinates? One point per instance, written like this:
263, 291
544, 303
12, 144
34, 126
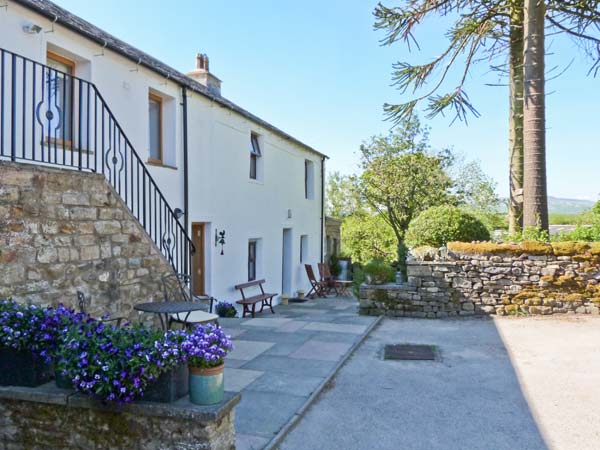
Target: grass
569, 219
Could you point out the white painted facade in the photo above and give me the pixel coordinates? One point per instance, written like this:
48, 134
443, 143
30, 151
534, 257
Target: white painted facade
221, 193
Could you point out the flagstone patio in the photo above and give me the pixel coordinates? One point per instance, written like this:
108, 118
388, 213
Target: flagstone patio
280, 359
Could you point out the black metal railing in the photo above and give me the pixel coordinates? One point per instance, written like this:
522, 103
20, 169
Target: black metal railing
51, 117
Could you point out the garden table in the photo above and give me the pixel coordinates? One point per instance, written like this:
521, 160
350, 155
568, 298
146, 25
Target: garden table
165, 310
343, 287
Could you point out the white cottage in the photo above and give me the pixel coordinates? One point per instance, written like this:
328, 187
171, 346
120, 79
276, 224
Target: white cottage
194, 167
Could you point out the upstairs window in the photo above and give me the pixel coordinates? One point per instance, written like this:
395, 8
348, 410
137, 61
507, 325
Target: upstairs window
60, 88
309, 179
255, 155
155, 123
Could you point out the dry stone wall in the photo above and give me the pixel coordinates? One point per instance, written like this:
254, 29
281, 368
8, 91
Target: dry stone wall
63, 231
550, 281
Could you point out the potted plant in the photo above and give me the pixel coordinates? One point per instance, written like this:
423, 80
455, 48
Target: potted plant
300, 293
21, 345
285, 299
116, 364
205, 349
225, 309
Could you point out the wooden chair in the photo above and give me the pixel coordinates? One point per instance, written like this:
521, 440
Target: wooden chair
249, 303
177, 288
325, 274
318, 288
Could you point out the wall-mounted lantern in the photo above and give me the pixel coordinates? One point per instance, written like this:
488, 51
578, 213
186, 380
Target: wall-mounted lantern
178, 212
220, 239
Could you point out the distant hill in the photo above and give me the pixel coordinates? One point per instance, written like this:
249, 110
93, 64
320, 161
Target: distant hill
558, 205
568, 205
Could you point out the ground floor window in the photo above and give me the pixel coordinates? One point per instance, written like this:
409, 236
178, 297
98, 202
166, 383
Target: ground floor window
252, 256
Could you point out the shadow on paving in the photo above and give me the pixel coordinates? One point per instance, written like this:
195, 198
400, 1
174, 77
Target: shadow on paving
280, 359
470, 400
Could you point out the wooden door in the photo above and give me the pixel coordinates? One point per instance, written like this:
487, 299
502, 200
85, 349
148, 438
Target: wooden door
198, 261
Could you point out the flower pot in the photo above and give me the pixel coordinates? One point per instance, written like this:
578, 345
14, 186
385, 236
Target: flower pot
22, 368
300, 294
284, 299
62, 381
206, 385
169, 387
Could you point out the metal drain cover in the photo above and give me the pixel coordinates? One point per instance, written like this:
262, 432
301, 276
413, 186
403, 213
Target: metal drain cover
407, 352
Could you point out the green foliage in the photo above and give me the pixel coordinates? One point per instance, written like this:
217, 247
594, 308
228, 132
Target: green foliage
476, 194
358, 278
442, 224
366, 236
379, 272
342, 195
402, 176
596, 209
535, 234
334, 266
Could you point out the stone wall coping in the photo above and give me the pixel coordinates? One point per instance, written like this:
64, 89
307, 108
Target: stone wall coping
388, 286
430, 263
182, 409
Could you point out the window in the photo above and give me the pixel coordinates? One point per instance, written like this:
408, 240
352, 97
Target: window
251, 260
309, 179
60, 89
255, 155
303, 248
155, 122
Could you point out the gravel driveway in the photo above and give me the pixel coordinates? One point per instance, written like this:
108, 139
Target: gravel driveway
502, 383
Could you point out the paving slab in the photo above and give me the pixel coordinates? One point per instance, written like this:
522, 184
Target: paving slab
263, 334
290, 365
250, 442
266, 322
238, 379
235, 363
291, 327
322, 351
286, 383
265, 413
247, 350
336, 327
283, 348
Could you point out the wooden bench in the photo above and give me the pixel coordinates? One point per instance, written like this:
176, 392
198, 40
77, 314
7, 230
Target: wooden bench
249, 303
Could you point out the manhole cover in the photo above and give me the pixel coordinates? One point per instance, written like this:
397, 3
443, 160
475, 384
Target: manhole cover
407, 352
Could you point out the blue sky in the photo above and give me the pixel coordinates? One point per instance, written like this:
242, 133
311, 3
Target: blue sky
315, 69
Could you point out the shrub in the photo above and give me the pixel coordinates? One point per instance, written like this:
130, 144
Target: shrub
378, 272
225, 309
358, 278
439, 225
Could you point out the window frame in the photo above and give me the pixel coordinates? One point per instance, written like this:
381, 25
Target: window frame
255, 154
252, 258
309, 179
158, 99
304, 252
72, 65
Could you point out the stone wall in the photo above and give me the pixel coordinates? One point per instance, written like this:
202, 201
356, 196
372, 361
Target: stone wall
549, 281
63, 231
47, 418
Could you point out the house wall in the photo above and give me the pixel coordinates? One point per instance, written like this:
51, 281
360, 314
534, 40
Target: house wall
220, 191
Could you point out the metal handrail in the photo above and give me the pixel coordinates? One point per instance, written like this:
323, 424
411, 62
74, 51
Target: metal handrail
51, 117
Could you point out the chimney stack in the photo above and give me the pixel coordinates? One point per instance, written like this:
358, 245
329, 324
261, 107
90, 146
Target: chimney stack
203, 76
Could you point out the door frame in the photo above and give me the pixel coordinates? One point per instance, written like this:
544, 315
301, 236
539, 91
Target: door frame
199, 256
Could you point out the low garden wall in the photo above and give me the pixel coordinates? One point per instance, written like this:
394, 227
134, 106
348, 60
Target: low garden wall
49, 418
487, 278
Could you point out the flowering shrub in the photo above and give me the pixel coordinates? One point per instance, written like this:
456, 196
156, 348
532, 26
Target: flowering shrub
30, 327
117, 364
206, 346
225, 309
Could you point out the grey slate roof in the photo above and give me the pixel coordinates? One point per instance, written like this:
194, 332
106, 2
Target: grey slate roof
63, 17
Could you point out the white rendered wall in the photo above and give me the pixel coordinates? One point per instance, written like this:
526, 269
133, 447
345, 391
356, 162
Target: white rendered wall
220, 191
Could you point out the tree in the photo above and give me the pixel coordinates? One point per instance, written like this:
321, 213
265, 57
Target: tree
515, 128
342, 195
476, 194
535, 211
367, 236
402, 177
480, 33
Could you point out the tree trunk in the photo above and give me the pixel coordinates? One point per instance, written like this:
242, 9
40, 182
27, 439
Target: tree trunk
535, 198
515, 205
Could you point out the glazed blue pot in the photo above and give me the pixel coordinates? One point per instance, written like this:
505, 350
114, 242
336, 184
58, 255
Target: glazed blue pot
206, 385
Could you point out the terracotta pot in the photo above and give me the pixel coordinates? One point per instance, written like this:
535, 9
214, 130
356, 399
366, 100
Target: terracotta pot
206, 385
